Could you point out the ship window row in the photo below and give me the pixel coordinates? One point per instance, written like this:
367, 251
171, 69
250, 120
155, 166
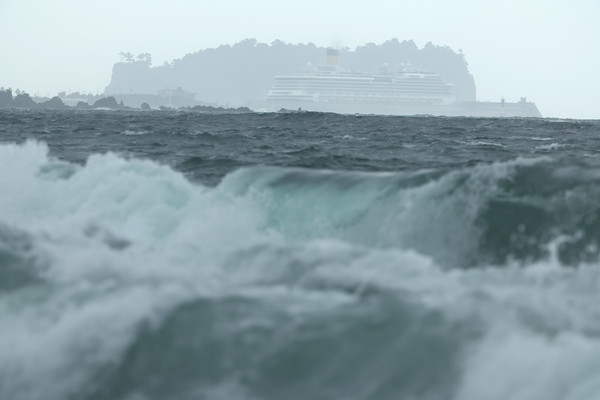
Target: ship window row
357, 84
362, 99
356, 78
356, 96
365, 93
361, 87
363, 81
368, 90
371, 83
356, 87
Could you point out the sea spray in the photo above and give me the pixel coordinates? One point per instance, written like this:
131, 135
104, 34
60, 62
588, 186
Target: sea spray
123, 276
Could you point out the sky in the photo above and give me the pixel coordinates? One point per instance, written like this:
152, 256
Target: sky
547, 51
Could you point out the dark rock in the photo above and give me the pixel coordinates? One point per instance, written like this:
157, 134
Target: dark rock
24, 101
6, 99
243, 110
108, 102
82, 105
54, 103
210, 109
145, 106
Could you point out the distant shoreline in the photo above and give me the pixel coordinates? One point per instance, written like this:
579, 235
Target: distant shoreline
24, 101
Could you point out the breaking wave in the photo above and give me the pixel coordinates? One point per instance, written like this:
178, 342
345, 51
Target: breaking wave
121, 279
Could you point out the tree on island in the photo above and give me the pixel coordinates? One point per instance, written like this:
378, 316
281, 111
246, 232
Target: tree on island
145, 58
142, 58
126, 57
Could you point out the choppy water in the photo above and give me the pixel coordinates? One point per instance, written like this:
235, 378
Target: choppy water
298, 256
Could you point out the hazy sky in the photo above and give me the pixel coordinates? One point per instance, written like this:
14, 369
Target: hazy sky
546, 50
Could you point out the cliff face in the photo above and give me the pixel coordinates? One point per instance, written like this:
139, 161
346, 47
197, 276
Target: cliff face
242, 73
137, 77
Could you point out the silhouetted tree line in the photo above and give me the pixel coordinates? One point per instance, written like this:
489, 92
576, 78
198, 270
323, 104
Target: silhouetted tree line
243, 73
144, 58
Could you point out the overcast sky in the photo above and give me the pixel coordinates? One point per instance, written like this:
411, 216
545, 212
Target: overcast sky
545, 50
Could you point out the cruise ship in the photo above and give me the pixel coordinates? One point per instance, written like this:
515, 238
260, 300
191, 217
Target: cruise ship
402, 90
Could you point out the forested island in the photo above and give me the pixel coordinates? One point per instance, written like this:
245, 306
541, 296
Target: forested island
237, 77
241, 74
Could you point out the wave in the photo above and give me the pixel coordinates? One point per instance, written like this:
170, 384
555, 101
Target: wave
129, 132
485, 144
127, 281
486, 214
551, 146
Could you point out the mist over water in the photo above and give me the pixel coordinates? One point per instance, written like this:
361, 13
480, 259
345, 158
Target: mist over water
173, 255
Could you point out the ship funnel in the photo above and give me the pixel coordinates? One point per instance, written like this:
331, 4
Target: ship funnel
333, 57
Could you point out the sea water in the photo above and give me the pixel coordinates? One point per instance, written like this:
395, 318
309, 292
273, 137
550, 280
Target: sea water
177, 255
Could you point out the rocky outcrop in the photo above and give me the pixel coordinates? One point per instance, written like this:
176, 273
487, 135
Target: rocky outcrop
110, 103
54, 103
23, 100
6, 99
220, 110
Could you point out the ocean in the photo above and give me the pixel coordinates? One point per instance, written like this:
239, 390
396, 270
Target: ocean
182, 256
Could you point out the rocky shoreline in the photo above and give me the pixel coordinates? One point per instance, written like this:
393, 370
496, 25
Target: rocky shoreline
23, 100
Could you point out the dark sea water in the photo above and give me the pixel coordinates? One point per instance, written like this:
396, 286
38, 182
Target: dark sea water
176, 256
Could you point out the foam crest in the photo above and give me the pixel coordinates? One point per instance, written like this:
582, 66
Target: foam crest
115, 232
121, 264
519, 365
433, 212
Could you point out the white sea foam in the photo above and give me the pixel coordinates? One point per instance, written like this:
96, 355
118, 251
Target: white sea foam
98, 293
551, 146
120, 242
134, 133
351, 137
484, 143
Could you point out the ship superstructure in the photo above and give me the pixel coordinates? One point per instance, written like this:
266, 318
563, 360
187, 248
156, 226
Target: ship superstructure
331, 88
397, 90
